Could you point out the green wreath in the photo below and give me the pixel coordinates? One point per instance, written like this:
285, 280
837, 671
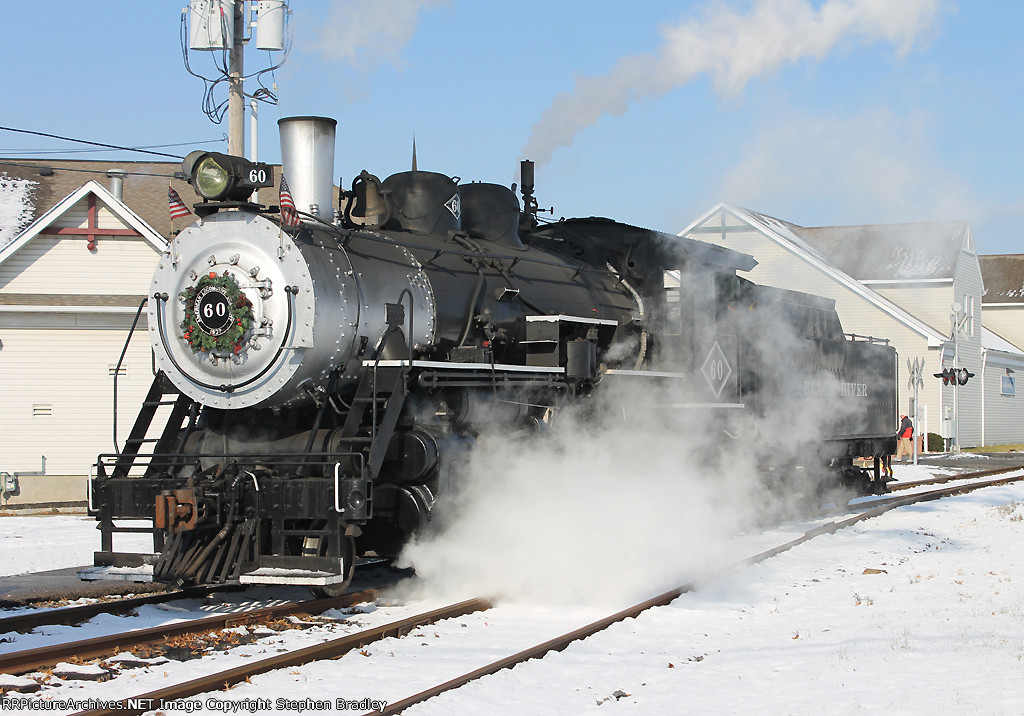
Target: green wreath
218, 316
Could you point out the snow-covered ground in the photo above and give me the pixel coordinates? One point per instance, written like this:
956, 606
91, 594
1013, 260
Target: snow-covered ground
917, 612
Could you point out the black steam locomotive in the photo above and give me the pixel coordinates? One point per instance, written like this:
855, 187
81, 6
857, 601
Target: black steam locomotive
319, 378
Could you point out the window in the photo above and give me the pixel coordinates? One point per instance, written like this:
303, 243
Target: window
969, 310
1008, 386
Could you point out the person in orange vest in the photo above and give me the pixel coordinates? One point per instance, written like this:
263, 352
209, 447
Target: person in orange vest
905, 434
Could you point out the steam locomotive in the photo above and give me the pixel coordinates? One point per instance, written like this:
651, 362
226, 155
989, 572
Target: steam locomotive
321, 373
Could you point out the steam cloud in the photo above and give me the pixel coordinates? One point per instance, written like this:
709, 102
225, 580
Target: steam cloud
371, 30
732, 48
625, 498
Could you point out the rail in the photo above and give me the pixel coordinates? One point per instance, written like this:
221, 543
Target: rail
29, 660
337, 647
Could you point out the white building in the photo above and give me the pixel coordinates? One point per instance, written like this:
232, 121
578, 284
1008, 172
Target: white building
895, 281
70, 286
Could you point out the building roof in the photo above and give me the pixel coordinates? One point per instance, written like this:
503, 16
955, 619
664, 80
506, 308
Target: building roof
785, 234
1003, 277
144, 188
119, 209
889, 252
145, 184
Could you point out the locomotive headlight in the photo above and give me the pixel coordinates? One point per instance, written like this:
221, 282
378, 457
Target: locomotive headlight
222, 177
211, 179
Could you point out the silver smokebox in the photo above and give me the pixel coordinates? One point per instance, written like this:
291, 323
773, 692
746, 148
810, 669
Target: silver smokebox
307, 163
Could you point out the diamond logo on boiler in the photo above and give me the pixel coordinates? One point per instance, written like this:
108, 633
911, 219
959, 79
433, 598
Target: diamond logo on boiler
716, 369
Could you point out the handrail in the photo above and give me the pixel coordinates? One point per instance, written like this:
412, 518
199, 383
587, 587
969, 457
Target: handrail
120, 361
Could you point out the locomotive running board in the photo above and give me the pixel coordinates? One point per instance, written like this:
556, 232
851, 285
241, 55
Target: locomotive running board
501, 367
673, 376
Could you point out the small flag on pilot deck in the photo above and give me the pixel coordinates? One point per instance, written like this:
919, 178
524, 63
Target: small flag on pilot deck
289, 216
177, 206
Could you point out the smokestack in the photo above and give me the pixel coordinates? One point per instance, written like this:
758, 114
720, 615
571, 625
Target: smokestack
116, 183
307, 160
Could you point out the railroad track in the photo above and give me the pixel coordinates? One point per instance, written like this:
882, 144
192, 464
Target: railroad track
337, 647
83, 612
29, 660
951, 478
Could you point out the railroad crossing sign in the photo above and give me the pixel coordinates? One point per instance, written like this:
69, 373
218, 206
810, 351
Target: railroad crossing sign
916, 371
716, 369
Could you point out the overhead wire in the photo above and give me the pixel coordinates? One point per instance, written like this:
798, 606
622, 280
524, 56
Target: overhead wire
87, 151
86, 141
5, 163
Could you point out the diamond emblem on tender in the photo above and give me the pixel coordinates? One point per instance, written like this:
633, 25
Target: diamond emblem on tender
716, 369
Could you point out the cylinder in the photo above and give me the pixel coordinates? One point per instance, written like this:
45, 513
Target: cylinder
307, 161
270, 25
211, 24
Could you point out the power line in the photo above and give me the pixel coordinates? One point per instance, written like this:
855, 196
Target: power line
86, 151
95, 144
4, 163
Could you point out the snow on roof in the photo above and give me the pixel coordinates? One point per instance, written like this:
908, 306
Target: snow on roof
925, 250
1003, 277
116, 206
784, 232
16, 206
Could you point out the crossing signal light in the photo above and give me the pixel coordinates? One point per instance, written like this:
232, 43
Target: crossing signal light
953, 376
946, 375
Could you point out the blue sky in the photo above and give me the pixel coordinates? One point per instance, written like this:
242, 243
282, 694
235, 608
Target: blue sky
819, 112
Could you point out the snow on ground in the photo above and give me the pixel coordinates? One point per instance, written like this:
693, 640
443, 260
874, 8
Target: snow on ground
37, 543
917, 612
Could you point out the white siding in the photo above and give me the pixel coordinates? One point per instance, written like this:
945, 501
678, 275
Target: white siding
56, 387
1006, 321
1004, 414
66, 372
63, 264
928, 302
967, 285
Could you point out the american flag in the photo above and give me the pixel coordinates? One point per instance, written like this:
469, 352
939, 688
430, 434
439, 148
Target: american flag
289, 216
176, 205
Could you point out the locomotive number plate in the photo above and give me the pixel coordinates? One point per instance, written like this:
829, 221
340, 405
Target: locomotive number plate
213, 310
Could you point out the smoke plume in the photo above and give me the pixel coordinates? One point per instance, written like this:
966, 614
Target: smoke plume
732, 47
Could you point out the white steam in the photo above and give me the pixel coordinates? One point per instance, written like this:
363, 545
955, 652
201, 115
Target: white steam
732, 47
366, 32
894, 174
628, 495
583, 515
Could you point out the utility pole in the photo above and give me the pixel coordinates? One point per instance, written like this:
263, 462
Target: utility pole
236, 99
958, 318
916, 370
